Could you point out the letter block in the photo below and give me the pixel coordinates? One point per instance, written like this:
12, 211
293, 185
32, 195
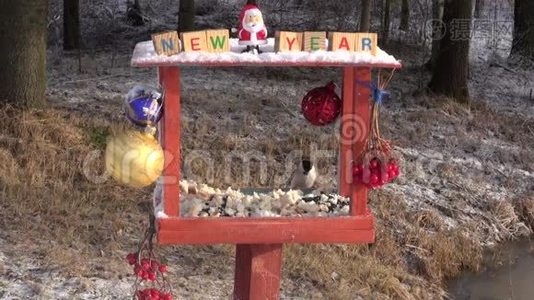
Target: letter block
166, 43
194, 41
287, 41
342, 41
366, 42
314, 40
218, 40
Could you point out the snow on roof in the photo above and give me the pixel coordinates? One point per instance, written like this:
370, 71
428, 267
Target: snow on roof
145, 56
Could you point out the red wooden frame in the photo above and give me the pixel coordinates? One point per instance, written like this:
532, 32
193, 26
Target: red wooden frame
259, 240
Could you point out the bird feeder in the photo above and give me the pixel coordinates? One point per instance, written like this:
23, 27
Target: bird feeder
259, 241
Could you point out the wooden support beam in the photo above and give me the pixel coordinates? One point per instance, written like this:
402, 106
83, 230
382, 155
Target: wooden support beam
361, 109
169, 78
346, 134
257, 271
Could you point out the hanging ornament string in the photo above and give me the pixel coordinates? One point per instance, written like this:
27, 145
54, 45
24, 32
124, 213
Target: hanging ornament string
375, 141
150, 272
376, 165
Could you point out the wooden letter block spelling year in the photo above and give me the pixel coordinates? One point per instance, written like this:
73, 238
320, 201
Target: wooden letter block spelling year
166, 43
218, 40
194, 41
366, 42
314, 41
342, 41
287, 41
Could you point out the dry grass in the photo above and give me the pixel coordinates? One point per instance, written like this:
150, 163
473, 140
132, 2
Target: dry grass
47, 200
411, 258
525, 210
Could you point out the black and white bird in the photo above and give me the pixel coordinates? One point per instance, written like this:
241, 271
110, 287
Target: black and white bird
304, 176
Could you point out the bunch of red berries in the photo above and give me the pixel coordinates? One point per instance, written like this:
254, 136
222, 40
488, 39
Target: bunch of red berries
146, 269
150, 282
375, 174
153, 294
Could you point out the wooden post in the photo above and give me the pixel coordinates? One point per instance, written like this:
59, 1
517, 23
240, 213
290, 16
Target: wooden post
257, 272
362, 94
346, 134
169, 78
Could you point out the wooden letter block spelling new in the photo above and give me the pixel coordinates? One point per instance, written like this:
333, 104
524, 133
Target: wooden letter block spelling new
166, 43
366, 42
218, 40
287, 41
342, 41
194, 41
314, 41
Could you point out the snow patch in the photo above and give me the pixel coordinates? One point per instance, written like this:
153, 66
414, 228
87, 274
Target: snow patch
144, 56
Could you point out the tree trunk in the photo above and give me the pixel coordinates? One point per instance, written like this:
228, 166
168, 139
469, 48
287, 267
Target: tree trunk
450, 74
405, 16
386, 22
365, 16
135, 13
186, 16
479, 6
523, 43
71, 24
437, 15
23, 36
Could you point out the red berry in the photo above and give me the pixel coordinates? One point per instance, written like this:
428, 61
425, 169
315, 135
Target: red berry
151, 276
373, 164
384, 177
163, 268
374, 179
357, 170
145, 263
132, 258
143, 295
166, 297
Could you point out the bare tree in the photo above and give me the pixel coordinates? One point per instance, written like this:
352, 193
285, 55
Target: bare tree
523, 42
479, 6
135, 13
437, 14
405, 16
71, 24
386, 21
450, 73
23, 35
365, 16
186, 15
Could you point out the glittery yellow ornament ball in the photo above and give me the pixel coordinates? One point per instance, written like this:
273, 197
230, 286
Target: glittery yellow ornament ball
134, 158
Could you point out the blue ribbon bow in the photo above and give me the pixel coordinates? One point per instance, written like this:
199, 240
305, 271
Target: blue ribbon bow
379, 95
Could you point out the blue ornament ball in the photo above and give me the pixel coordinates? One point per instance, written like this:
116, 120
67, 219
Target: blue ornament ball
143, 106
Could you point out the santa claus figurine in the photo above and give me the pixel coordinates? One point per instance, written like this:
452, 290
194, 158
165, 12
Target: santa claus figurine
252, 31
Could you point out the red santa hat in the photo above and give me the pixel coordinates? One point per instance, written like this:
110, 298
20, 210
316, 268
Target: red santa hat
246, 9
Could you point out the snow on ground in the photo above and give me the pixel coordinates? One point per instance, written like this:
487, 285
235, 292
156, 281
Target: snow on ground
22, 278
